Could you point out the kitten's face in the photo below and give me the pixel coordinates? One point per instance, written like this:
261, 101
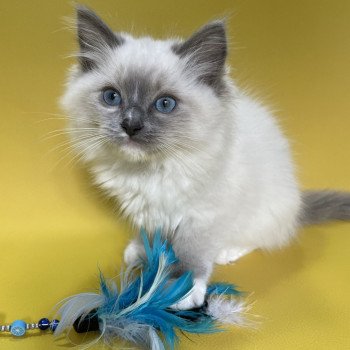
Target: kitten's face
140, 98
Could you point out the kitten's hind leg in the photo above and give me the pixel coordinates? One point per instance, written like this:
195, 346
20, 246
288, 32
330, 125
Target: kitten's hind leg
230, 255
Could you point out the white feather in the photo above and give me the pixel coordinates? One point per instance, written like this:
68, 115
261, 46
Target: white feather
227, 310
74, 307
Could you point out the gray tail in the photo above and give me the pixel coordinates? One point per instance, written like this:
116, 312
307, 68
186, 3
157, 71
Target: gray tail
321, 206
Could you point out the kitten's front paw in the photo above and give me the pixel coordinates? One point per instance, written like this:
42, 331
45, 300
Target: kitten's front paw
133, 253
195, 298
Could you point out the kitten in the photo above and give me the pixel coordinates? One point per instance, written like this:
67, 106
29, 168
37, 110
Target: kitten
168, 134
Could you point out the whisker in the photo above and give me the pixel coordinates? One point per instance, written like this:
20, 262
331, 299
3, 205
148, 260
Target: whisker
79, 149
73, 143
167, 149
57, 116
90, 148
68, 131
183, 157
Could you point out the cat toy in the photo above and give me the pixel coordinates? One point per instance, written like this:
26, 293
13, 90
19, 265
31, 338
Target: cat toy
139, 309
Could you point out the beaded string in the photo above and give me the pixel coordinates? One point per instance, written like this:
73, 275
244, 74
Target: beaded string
18, 328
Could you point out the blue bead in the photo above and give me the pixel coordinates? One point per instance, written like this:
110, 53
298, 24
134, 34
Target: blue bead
44, 324
54, 324
18, 328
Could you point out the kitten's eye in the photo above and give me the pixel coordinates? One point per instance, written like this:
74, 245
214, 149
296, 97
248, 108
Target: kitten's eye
165, 104
112, 97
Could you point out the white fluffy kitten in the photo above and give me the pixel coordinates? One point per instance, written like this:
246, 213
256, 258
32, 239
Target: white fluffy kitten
166, 131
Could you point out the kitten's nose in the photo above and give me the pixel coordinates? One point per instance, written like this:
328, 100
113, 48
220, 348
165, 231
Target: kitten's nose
132, 122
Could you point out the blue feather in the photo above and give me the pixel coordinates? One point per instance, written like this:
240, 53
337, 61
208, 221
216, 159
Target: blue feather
141, 310
223, 288
155, 310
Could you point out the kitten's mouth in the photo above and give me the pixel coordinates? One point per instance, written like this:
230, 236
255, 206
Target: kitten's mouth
131, 143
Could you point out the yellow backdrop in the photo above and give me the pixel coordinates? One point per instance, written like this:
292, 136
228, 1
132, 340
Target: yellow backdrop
56, 229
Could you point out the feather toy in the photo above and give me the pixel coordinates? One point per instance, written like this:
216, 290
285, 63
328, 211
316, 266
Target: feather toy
139, 310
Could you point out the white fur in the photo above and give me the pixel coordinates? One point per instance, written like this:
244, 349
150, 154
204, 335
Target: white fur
230, 255
233, 187
251, 200
195, 297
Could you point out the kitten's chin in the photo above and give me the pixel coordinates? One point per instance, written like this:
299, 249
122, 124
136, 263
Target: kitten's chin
133, 152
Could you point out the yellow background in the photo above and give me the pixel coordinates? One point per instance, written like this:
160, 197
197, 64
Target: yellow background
56, 229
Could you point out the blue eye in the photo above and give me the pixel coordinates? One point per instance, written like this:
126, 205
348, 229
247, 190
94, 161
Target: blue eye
165, 104
112, 97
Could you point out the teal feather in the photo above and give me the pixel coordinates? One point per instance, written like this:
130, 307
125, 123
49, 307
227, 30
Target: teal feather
140, 311
223, 288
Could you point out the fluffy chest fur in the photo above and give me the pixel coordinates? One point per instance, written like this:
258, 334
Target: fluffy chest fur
152, 197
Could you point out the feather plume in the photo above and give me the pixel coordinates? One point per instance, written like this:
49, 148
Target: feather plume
140, 310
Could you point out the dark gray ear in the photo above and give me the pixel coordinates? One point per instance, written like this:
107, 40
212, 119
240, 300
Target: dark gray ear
94, 36
207, 51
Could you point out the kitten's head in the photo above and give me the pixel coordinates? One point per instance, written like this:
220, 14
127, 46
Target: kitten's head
140, 98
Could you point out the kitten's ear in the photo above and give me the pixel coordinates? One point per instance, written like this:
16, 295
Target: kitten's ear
206, 51
94, 37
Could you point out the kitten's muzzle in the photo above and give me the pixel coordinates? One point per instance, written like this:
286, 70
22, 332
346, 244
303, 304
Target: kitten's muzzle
132, 121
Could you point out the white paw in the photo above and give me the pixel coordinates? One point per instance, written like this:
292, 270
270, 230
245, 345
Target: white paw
132, 253
228, 256
195, 297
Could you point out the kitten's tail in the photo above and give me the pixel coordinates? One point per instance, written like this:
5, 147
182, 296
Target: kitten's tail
321, 206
